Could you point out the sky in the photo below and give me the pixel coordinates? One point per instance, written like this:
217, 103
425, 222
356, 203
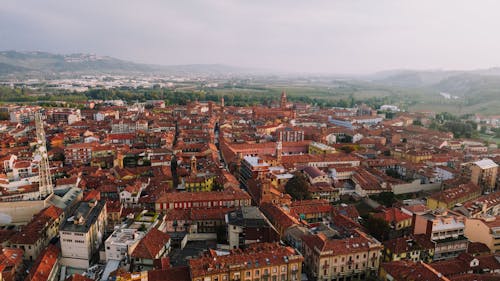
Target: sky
351, 37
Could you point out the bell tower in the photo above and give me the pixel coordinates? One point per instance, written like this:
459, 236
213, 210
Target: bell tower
283, 100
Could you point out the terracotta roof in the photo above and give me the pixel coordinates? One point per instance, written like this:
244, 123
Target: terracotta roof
44, 264
255, 255
392, 215
9, 258
151, 245
180, 273
33, 231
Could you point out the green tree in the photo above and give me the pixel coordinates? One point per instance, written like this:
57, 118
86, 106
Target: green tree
377, 227
298, 187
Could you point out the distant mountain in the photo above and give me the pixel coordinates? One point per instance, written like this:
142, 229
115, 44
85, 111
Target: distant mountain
42, 63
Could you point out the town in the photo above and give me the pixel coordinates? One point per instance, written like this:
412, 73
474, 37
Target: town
209, 191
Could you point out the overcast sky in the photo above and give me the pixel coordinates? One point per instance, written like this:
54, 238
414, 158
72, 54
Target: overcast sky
301, 36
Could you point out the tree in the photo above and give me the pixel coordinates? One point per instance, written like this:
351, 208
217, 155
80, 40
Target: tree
298, 187
377, 227
385, 198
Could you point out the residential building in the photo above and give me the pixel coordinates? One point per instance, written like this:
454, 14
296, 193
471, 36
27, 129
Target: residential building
36, 235
46, 267
356, 256
152, 247
121, 243
259, 261
231, 197
484, 173
11, 263
451, 197
445, 229
485, 229
248, 225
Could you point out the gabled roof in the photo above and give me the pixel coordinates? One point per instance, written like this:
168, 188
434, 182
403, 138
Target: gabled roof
151, 245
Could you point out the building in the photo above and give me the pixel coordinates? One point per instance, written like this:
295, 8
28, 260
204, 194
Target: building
406, 248
230, 197
11, 263
397, 219
289, 134
151, 248
46, 267
260, 261
484, 173
252, 167
82, 233
355, 256
78, 153
485, 229
248, 225
444, 229
36, 235
121, 243
448, 198
320, 148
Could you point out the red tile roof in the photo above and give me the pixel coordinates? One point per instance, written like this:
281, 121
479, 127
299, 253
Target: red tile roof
151, 245
44, 264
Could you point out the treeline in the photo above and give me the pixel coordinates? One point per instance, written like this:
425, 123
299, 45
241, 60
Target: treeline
172, 96
461, 127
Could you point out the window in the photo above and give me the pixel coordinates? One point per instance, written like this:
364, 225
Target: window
248, 274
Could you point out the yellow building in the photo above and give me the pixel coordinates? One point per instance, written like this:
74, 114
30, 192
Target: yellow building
448, 198
205, 183
407, 248
353, 258
260, 261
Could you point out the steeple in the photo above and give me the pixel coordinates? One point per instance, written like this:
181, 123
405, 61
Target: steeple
279, 151
194, 169
283, 100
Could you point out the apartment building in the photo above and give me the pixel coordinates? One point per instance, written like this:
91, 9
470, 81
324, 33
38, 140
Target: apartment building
82, 233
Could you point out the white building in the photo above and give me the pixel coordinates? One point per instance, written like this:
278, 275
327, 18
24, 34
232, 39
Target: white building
122, 243
82, 234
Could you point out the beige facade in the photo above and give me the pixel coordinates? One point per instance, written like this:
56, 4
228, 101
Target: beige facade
82, 234
485, 230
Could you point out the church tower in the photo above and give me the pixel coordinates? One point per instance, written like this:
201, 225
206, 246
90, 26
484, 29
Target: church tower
222, 101
194, 169
283, 100
279, 151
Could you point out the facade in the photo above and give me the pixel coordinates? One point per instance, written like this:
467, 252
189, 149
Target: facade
341, 259
82, 233
445, 230
152, 247
121, 243
248, 225
78, 153
448, 198
231, 197
485, 230
258, 262
46, 267
36, 235
484, 173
